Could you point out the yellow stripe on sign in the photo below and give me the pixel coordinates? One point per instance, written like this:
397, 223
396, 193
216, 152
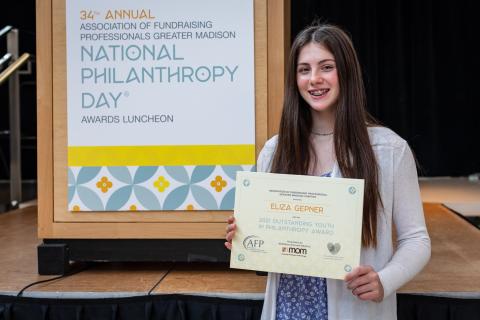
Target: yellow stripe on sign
161, 155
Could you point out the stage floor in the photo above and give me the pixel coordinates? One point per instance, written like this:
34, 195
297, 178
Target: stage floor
451, 272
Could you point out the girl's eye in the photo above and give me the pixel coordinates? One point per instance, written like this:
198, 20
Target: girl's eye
327, 67
303, 70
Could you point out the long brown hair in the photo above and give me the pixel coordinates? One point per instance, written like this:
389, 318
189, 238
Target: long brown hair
294, 153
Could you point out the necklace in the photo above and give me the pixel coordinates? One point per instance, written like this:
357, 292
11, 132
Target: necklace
322, 134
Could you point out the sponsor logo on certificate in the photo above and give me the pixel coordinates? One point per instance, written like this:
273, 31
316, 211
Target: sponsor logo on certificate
294, 251
253, 243
334, 248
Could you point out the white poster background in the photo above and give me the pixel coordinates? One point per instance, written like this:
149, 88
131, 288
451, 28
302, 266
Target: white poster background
205, 113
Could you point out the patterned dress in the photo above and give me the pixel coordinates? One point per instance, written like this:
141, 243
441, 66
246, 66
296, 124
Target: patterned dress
302, 297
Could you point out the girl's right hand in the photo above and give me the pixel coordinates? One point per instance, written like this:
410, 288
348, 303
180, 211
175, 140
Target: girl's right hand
230, 232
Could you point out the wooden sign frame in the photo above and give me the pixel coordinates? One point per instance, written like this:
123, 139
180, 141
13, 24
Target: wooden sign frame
54, 221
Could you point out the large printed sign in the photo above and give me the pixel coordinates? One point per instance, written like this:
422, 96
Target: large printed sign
160, 103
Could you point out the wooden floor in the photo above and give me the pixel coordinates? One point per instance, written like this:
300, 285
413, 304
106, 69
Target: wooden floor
453, 268
455, 262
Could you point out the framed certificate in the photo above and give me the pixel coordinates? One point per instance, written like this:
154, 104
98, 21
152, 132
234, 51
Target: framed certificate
294, 224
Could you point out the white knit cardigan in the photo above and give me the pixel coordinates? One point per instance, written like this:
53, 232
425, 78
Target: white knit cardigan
402, 209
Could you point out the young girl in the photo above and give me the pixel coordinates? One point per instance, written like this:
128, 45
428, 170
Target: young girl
326, 131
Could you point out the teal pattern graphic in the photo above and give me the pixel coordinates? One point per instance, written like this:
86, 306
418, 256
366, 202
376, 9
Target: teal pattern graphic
152, 188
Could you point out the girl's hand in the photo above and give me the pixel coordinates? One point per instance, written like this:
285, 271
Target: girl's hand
230, 232
365, 283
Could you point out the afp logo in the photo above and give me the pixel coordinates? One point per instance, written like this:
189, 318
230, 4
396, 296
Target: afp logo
253, 243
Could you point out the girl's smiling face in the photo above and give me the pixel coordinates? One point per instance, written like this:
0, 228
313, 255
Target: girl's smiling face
317, 78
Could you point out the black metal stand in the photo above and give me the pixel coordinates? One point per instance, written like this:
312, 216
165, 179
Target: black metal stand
55, 255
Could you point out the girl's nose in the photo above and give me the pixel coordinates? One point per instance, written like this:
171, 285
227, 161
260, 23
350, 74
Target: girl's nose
316, 78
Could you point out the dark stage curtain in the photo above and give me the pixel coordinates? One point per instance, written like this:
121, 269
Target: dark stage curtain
421, 72
183, 307
163, 307
414, 307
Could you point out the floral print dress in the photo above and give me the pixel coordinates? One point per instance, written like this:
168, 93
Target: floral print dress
302, 297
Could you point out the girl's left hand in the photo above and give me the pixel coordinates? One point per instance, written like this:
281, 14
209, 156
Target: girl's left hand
365, 283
